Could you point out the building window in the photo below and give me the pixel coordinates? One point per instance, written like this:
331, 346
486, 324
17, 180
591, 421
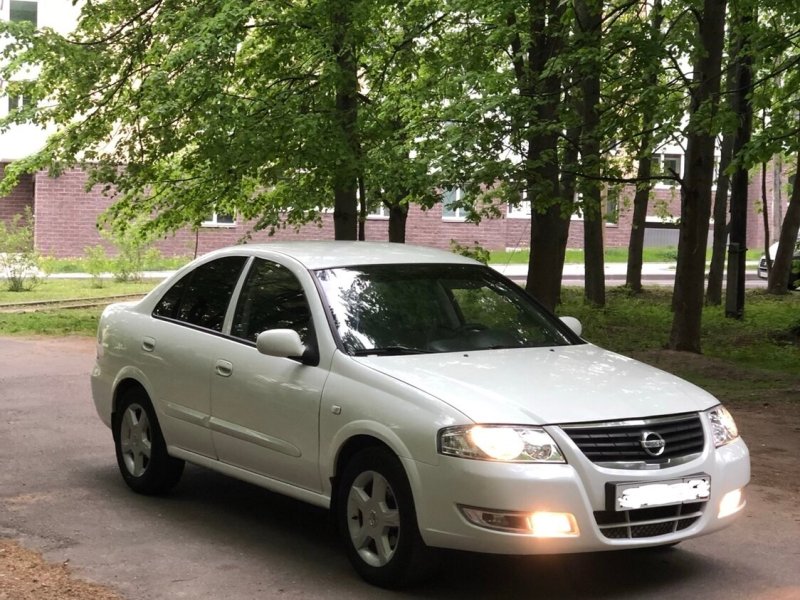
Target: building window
379, 212
668, 165
450, 208
522, 210
20, 10
16, 102
220, 220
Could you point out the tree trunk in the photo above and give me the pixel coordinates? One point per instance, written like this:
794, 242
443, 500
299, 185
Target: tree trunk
777, 193
568, 180
546, 259
717, 268
398, 214
778, 282
633, 276
345, 183
589, 17
720, 239
765, 216
542, 165
698, 180
743, 109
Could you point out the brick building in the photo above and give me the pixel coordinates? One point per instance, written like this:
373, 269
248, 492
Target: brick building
66, 216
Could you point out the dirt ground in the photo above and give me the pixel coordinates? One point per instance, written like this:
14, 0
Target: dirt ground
768, 417
25, 576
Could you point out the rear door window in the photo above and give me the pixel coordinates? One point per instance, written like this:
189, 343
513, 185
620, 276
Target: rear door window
201, 297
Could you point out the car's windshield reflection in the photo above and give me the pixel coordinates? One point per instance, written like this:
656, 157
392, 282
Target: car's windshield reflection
411, 309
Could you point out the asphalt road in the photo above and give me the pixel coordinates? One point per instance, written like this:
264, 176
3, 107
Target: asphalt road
215, 538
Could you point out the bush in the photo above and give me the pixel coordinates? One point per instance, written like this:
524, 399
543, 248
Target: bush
97, 263
133, 252
476, 252
18, 259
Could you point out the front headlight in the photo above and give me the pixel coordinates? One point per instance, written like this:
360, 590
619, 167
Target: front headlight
723, 427
506, 443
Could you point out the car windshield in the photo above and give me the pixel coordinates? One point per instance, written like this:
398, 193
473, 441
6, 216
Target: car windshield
411, 309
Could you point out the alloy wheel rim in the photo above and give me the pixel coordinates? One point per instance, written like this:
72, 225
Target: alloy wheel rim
135, 440
373, 518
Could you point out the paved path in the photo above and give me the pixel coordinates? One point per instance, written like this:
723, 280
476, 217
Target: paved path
215, 538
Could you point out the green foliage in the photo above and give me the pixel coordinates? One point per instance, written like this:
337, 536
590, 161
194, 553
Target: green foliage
47, 265
71, 289
229, 105
18, 259
475, 252
133, 245
97, 263
79, 265
631, 324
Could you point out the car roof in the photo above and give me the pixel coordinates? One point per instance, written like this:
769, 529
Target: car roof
329, 254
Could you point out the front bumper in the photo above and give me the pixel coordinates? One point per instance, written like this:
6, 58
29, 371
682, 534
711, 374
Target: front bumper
578, 488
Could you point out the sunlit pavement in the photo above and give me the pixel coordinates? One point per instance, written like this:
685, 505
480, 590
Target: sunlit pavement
652, 273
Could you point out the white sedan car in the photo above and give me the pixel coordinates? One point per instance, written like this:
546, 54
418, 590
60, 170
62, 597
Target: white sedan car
423, 398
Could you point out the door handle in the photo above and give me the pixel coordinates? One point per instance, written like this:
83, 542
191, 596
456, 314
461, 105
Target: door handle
148, 344
223, 368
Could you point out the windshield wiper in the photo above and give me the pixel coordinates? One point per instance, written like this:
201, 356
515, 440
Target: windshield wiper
388, 351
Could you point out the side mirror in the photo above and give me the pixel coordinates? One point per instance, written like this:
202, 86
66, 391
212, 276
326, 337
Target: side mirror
573, 324
283, 343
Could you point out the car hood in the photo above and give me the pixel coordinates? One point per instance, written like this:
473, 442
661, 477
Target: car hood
565, 384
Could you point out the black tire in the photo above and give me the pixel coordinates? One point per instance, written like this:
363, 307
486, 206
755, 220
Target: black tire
141, 452
377, 521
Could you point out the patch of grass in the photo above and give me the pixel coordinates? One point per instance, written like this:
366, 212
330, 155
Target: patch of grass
62, 289
630, 323
74, 321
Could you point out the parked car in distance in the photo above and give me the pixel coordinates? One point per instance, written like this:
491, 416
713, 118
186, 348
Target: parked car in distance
794, 278
423, 398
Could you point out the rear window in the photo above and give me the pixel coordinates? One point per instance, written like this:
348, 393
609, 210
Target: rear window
201, 297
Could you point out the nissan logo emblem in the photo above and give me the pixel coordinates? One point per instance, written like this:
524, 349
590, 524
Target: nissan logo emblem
653, 443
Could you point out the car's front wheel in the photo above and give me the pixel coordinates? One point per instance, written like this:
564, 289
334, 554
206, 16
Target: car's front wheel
141, 452
378, 522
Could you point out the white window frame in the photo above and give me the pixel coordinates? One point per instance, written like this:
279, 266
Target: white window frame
21, 102
658, 161
521, 210
457, 214
379, 213
214, 221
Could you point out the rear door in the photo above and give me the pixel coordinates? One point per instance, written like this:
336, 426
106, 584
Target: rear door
176, 350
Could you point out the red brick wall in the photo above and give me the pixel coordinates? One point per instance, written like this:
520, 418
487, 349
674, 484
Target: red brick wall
20, 197
66, 217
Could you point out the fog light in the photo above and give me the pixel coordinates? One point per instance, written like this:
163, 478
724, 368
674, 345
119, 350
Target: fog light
501, 521
538, 524
550, 524
731, 502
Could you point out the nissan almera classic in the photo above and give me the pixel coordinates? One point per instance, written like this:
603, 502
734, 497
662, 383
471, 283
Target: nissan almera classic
424, 399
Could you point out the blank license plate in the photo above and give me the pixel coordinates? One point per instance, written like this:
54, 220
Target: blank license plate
630, 496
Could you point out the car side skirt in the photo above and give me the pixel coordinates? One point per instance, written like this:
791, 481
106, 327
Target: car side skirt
273, 485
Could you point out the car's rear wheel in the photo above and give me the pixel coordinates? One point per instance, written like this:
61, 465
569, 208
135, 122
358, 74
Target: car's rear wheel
141, 452
378, 522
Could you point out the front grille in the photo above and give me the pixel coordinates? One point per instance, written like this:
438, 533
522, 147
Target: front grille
621, 441
647, 522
